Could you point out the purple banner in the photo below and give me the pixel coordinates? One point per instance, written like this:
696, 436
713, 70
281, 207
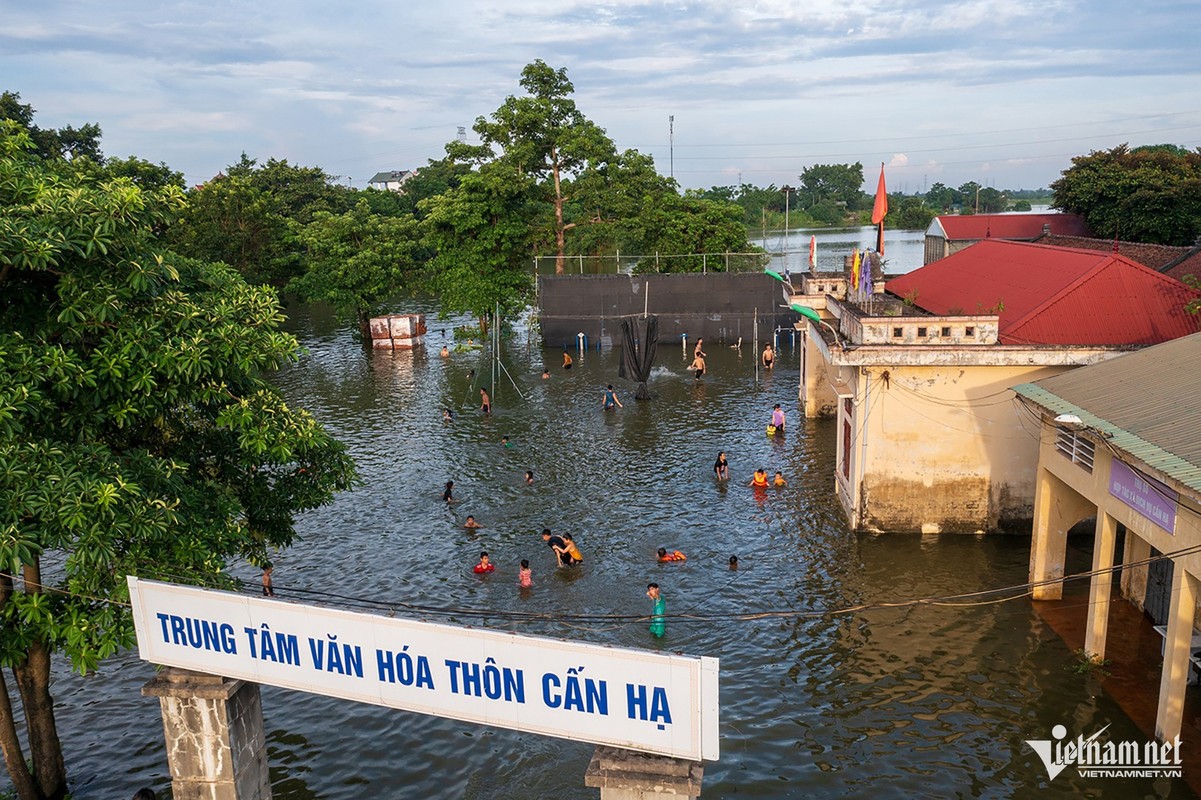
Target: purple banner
1145, 495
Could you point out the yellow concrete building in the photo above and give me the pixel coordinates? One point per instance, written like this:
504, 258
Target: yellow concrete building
1121, 441
930, 437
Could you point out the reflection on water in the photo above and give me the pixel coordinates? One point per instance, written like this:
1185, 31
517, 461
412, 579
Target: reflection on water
882, 702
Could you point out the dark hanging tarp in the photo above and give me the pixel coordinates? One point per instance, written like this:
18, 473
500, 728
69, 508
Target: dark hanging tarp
637, 357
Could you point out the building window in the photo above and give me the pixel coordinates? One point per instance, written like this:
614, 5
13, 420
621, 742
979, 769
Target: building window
946, 331
921, 333
1075, 448
970, 330
897, 333
846, 437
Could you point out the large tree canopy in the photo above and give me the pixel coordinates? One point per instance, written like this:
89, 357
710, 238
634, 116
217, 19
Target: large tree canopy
543, 135
137, 432
480, 233
1148, 194
357, 260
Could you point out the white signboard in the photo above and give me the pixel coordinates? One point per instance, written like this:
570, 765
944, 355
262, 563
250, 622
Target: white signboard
654, 703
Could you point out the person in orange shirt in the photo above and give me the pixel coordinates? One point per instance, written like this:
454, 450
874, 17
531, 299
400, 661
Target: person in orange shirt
674, 555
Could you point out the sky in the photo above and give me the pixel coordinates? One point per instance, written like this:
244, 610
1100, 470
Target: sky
1001, 92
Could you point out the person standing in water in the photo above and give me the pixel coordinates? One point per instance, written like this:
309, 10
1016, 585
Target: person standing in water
525, 576
769, 356
721, 467
448, 492
609, 399
658, 610
697, 351
698, 366
566, 360
777, 418
485, 401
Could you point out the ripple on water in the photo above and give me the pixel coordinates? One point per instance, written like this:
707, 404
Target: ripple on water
923, 702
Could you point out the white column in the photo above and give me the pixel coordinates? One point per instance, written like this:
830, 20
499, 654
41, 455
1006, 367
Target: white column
1176, 652
1099, 590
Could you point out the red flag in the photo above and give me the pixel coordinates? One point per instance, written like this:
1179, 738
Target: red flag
880, 209
813, 253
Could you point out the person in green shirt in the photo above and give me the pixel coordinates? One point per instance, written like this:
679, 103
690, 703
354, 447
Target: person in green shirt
658, 611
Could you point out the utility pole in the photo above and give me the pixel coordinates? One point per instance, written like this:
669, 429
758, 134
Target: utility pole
671, 145
787, 190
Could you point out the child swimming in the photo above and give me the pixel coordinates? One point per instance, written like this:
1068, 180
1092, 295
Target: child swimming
525, 576
485, 564
674, 555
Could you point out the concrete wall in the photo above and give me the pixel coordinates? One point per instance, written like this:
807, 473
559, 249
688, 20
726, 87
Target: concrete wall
941, 448
717, 306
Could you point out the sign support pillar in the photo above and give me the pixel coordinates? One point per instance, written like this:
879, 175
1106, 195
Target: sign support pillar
213, 726
629, 775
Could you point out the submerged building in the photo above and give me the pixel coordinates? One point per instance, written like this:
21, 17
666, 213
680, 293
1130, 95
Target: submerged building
918, 375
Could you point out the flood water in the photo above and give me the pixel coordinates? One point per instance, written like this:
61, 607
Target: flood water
881, 702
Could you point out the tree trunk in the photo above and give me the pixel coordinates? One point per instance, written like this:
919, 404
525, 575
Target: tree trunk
560, 238
364, 327
10, 744
33, 682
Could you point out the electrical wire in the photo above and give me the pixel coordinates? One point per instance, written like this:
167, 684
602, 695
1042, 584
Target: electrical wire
962, 599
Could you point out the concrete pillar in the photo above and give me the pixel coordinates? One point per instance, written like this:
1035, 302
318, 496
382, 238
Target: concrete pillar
1176, 652
1134, 579
628, 775
1057, 507
1100, 586
213, 727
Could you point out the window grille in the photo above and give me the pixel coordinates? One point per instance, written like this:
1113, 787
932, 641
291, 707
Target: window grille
1075, 448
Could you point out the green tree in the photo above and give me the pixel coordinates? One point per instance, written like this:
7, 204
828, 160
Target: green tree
908, 213
481, 234
230, 220
248, 217
66, 143
137, 433
941, 198
689, 225
838, 183
357, 260
1148, 194
543, 135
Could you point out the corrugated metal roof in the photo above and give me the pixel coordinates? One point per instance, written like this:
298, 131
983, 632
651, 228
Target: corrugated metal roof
1146, 401
1010, 226
1053, 295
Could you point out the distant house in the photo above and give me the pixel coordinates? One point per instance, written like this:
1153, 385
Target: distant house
1175, 262
391, 181
918, 376
951, 233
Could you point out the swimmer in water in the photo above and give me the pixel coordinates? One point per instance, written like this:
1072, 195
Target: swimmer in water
471, 524
485, 565
759, 481
674, 555
445, 352
566, 361
698, 366
529, 477
779, 480
525, 576
448, 493
733, 562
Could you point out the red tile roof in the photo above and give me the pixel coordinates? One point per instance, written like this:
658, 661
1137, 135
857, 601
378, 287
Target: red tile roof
1175, 262
1053, 295
970, 227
